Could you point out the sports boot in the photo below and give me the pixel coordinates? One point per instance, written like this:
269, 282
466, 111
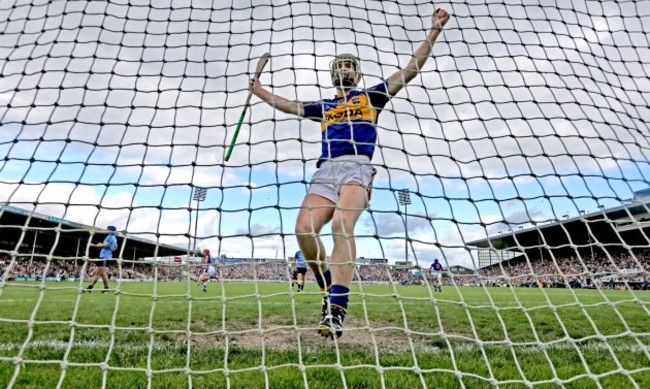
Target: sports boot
332, 323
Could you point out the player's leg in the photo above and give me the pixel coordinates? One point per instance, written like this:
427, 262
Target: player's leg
103, 272
303, 274
207, 276
300, 281
352, 202
315, 212
350, 207
93, 278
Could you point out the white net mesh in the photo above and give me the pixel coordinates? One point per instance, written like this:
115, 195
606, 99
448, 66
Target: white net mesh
519, 158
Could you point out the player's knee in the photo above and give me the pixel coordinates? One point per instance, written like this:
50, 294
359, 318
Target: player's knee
342, 225
303, 229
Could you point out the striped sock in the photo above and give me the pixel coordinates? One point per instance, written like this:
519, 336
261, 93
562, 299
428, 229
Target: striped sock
339, 295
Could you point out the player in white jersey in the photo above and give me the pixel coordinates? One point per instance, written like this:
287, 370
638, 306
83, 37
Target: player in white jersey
208, 270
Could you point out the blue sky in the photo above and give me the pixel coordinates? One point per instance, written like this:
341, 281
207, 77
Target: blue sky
524, 112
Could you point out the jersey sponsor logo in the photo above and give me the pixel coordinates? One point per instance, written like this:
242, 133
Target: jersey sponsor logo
356, 108
345, 114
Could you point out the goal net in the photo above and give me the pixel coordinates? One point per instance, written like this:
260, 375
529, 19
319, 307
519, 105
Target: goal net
518, 158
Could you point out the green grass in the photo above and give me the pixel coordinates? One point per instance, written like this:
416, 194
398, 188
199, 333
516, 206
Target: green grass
251, 336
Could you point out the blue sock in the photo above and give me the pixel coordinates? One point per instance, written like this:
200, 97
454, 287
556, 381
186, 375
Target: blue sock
339, 295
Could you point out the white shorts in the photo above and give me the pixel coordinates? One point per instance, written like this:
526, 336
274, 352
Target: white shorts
210, 271
334, 174
437, 275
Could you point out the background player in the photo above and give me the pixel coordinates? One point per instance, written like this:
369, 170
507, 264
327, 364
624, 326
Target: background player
208, 270
436, 274
105, 259
301, 270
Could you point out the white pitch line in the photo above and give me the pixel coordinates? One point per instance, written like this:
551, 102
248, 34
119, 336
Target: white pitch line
470, 347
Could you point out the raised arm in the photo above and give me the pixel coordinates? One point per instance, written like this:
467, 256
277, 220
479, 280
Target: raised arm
275, 101
397, 81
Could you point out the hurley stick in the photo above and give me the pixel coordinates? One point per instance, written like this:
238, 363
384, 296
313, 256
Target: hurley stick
258, 70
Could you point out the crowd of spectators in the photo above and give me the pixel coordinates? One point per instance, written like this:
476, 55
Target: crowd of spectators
63, 269
619, 270
611, 271
27, 268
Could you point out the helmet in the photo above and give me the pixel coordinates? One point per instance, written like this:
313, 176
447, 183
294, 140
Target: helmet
206, 251
347, 80
111, 228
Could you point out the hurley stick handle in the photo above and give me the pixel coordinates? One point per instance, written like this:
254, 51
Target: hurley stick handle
258, 71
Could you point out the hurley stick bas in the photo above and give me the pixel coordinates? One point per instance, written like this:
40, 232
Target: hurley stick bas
258, 70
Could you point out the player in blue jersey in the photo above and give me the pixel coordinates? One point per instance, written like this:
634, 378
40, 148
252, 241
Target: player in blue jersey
208, 270
436, 275
301, 270
108, 246
339, 190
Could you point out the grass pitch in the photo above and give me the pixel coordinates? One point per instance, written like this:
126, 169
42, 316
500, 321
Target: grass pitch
255, 335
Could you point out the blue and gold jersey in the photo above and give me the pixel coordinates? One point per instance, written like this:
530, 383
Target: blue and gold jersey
348, 124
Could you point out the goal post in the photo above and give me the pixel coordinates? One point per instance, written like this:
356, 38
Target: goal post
506, 239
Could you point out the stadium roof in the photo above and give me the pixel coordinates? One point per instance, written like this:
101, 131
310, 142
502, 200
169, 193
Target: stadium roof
628, 224
41, 234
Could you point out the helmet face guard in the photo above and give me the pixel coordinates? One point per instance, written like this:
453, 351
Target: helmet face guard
344, 79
